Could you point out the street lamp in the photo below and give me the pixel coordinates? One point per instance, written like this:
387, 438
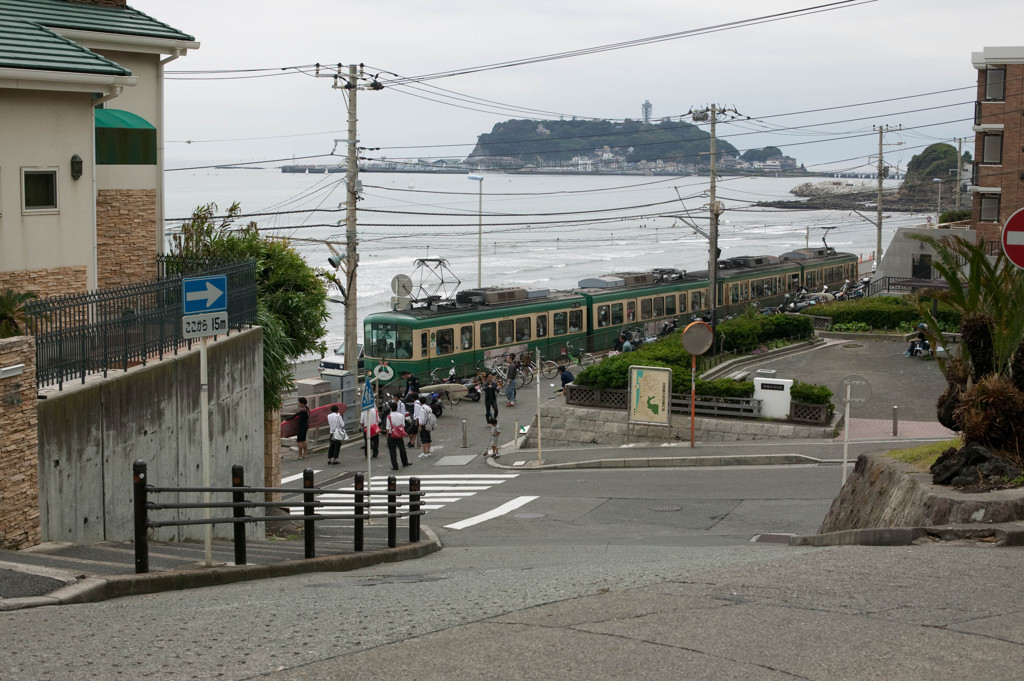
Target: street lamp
480, 230
938, 207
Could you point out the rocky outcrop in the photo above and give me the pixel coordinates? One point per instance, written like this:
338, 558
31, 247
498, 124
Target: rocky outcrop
883, 493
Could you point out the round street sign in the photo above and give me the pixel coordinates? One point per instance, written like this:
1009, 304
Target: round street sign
697, 338
1013, 238
860, 390
383, 372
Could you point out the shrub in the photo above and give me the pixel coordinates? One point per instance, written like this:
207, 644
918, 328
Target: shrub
746, 333
812, 394
883, 312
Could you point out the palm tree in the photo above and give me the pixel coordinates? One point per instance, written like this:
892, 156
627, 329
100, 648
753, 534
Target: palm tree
13, 320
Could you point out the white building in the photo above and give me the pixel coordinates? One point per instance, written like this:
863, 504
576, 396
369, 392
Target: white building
81, 162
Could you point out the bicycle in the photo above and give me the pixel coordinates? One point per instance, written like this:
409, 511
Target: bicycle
569, 357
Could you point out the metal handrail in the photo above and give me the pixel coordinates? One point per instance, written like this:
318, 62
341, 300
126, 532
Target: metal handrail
362, 499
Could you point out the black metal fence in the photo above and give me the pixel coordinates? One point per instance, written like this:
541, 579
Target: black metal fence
362, 505
115, 328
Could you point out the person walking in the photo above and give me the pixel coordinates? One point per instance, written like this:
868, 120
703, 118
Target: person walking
369, 421
413, 427
511, 372
428, 421
490, 390
495, 429
396, 437
336, 425
303, 416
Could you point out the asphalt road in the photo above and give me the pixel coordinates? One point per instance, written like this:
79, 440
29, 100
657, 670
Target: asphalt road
599, 577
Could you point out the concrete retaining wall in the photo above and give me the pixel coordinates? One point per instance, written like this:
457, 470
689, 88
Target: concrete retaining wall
883, 493
563, 424
90, 434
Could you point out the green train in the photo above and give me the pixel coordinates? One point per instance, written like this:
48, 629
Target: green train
482, 324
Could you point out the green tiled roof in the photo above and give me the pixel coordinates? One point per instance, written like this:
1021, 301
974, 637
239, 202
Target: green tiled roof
24, 45
63, 14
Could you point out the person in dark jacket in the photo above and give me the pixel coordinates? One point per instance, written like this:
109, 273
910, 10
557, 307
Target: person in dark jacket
303, 416
490, 390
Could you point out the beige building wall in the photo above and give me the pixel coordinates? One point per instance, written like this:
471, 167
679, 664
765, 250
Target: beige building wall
52, 127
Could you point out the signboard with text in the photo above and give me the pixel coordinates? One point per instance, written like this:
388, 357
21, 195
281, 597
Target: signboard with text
650, 395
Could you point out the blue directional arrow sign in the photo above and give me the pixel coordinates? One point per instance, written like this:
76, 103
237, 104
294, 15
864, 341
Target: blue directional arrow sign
204, 294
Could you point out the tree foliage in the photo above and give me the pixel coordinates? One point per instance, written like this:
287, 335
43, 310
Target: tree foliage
553, 142
761, 155
13, 320
292, 306
935, 161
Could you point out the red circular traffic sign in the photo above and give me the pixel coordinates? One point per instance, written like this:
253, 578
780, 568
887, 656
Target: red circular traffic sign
1013, 238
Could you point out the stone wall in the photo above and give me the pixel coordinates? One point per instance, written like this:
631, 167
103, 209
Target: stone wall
52, 281
89, 436
19, 474
125, 236
881, 492
563, 424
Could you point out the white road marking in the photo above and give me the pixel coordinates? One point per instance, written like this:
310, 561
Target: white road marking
493, 513
1015, 238
293, 478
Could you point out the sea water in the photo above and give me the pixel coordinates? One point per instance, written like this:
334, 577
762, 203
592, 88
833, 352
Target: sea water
541, 231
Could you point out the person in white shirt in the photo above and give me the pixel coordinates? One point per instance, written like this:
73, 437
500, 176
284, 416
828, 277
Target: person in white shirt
336, 424
396, 442
369, 421
425, 414
417, 420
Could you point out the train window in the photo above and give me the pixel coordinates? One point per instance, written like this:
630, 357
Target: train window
523, 329
616, 314
561, 323
670, 304
466, 337
505, 331
602, 316
698, 300
542, 325
575, 321
384, 339
445, 341
659, 306
794, 282
682, 303
424, 351
734, 293
645, 308
631, 311
488, 335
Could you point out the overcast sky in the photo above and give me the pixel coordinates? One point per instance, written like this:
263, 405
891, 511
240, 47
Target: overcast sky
861, 52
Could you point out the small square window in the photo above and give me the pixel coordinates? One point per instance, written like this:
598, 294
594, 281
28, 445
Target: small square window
990, 208
39, 189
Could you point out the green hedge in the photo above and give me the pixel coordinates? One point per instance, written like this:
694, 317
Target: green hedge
747, 333
812, 394
882, 312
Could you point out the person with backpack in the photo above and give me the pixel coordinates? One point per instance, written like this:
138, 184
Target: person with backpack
428, 421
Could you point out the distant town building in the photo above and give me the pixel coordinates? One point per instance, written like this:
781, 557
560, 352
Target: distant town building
997, 178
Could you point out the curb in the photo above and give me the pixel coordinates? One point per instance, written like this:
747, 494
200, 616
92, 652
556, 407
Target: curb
671, 461
95, 589
1002, 534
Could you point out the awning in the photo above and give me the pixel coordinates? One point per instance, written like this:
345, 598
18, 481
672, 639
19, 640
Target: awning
124, 138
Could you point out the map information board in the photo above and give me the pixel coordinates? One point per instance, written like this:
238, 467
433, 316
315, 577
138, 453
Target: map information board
650, 395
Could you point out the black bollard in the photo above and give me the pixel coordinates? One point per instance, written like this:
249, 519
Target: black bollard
238, 480
392, 512
414, 510
307, 528
141, 519
359, 511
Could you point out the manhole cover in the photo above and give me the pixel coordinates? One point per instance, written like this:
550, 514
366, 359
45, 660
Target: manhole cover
666, 509
772, 538
528, 516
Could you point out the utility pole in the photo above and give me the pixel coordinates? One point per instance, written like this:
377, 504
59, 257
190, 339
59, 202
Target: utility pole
715, 208
959, 169
350, 84
881, 172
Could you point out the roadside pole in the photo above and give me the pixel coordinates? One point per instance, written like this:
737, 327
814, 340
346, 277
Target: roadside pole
538, 407
204, 430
